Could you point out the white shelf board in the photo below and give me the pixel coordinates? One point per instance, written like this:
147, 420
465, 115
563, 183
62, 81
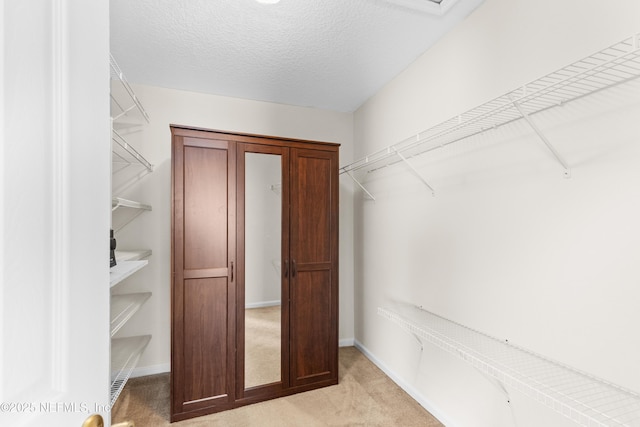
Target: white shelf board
125, 354
579, 396
123, 307
131, 255
124, 269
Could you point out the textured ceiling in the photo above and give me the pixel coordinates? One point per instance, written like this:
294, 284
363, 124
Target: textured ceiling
331, 54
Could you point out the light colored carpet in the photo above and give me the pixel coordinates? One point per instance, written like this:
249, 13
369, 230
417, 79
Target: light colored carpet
365, 396
262, 346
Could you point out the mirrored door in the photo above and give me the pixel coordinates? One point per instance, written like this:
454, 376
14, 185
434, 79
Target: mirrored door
260, 306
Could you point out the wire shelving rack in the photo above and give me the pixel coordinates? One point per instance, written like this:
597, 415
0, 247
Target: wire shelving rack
579, 396
127, 117
125, 354
607, 68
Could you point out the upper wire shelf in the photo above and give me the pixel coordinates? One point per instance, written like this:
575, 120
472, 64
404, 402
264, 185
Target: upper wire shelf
128, 165
127, 117
607, 68
121, 217
124, 101
581, 397
123, 153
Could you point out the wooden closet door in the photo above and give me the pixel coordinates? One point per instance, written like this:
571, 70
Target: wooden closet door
314, 262
203, 291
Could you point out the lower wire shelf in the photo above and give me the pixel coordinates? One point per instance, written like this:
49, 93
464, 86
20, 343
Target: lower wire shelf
125, 354
581, 397
124, 306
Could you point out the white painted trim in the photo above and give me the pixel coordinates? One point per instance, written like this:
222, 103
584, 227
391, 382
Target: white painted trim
426, 6
2, 196
59, 189
346, 342
410, 389
143, 371
262, 304
445, 5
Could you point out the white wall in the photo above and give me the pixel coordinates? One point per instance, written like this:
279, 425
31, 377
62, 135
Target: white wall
507, 246
153, 229
54, 212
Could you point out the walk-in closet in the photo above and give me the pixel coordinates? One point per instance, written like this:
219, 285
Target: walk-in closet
373, 212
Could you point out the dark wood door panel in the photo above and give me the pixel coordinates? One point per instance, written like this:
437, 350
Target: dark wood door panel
314, 257
311, 324
205, 208
205, 338
203, 289
311, 213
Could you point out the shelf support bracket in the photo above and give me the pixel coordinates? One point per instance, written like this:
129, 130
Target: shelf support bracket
360, 185
415, 171
536, 129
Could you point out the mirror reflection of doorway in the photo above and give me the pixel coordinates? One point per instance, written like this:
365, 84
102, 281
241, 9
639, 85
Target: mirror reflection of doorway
263, 285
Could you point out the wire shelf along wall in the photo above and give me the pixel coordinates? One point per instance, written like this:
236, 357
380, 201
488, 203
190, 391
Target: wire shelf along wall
127, 117
581, 397
125, 354
124, 211
128, 165
607, 68
126, 93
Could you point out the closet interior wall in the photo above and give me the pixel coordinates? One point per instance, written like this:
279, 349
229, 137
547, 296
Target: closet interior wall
507, 246
153, 229
128, 168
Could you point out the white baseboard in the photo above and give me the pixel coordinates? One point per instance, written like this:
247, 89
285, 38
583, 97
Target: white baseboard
262, 304
143, 371
411, 391
346, 342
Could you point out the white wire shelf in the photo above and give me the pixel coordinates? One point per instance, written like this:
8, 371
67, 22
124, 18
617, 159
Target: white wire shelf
128, 165
131, 255
125, 354
118, 202
124, 153
124, 269
607, 68
127, 116
579, 396
123, 307
123, 211
125, 105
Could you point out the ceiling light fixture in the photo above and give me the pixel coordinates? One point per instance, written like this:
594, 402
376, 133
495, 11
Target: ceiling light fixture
434, 7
